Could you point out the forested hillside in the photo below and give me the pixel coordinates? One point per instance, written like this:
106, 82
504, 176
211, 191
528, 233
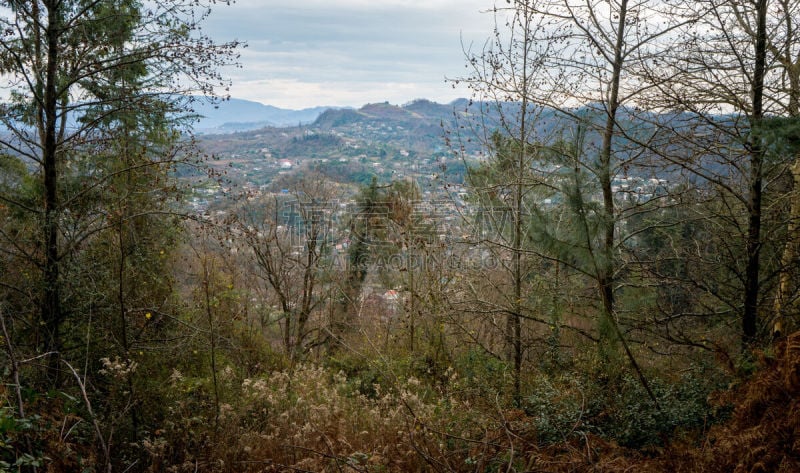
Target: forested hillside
589, 265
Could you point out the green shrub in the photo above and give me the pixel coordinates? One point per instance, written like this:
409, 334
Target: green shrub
568, 405
482, 376
636, 422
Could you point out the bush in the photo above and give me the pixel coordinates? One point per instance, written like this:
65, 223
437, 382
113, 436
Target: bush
565, 406
559, 408
636, 422
482, 376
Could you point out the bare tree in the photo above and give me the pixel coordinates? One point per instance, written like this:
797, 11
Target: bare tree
564, 66
733, 72
290, 237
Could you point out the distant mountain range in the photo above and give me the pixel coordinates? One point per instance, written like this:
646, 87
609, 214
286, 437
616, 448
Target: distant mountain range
236, 115
242, 115
373, 139
420, 125
348, 145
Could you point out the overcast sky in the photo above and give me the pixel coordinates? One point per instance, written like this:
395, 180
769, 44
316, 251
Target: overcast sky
304, 53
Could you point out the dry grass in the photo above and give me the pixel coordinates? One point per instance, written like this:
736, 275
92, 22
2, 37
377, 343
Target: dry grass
309, 419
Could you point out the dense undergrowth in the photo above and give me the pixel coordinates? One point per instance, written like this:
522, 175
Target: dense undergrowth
351, 414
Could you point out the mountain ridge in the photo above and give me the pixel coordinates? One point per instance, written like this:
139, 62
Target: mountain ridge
239, 115
234, 115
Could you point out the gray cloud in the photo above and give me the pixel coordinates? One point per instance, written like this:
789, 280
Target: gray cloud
349, 52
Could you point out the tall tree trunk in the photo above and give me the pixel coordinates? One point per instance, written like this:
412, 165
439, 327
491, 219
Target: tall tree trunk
514, 321
605, 279
51, 305
756, 155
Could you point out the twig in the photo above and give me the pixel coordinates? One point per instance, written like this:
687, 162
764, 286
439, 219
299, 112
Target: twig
88, 404
131, 466
43, 355
14, 366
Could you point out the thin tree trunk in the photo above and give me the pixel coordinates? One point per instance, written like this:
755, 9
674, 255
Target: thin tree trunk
121, 288
605, 279
514, 322
211, 335
412, 303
